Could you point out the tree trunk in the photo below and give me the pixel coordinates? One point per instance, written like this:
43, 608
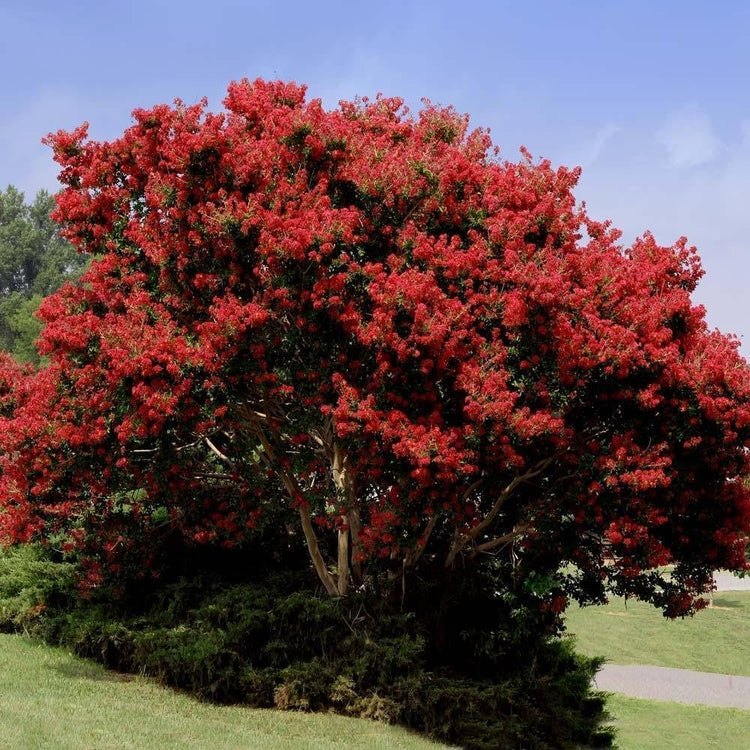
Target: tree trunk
355, 529
344, 483
317, 559
343, 561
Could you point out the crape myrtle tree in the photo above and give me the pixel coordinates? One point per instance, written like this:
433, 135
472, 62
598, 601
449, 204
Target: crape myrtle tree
362, 329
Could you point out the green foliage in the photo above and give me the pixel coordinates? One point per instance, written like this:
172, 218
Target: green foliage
29, 584
267, 643
21, 326
34, 262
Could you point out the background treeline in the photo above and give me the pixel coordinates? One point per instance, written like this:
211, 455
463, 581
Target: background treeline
34, 262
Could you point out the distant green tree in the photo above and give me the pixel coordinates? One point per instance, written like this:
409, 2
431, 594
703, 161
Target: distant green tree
34, 262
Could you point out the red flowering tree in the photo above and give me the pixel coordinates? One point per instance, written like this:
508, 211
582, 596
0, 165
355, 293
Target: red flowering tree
366, 328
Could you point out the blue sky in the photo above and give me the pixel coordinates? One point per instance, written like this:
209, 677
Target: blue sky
651, 99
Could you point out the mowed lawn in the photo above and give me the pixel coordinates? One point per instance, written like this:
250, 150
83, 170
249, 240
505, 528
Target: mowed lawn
50, 699
716, 639
654, 725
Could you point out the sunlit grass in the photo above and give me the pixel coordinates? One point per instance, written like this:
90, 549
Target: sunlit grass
656, 725
51, 699
630, 632
715, 640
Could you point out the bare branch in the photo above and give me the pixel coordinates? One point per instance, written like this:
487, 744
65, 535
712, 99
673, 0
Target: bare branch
269, 457
414, 554
317, 439
215, 450
290, 483
500, 540
464, 538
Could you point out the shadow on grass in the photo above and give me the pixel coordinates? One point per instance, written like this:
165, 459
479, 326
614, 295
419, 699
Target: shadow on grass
84, 671
721, 602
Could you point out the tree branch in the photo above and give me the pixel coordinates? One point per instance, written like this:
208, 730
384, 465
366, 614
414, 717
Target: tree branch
216, 451
307, 528
500, 540
462, 539
343, 562
414, 554
355, 529
295, 493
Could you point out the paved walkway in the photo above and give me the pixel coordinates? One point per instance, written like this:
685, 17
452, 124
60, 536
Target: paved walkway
677, 685
681, 685
729, 582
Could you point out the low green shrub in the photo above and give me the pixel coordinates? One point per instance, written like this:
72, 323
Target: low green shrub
269, 642
31, 584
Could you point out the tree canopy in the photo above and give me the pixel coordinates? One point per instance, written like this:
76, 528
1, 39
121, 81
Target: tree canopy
363, 329
34, 262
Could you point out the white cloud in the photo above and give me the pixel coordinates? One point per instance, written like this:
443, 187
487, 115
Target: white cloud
594, 149
689, 138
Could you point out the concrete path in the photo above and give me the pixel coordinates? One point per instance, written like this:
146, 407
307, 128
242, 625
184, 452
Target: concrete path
677, 685
729, 582
681, 685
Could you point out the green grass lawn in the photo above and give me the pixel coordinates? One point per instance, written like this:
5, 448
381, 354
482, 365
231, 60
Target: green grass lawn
715, 640
50, 699
654, 725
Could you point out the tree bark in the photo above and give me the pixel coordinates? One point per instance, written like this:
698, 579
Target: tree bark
343, 572
326, 578
344, 483
317, 558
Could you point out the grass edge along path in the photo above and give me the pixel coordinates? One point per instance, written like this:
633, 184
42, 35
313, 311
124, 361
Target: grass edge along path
647, 725
675, 685
50, 698
631, 632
